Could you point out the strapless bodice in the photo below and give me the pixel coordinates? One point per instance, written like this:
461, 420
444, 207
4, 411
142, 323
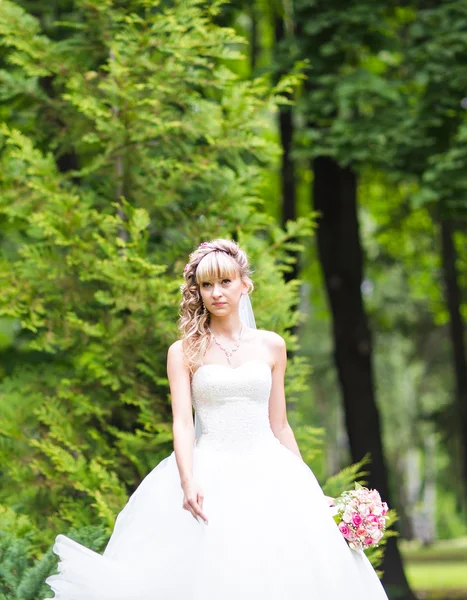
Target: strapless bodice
232, 405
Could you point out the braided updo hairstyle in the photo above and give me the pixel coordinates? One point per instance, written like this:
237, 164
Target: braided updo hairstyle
219, 258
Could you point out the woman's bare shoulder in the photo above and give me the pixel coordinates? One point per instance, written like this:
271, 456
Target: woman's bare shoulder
175, 351
272, 339
176, 363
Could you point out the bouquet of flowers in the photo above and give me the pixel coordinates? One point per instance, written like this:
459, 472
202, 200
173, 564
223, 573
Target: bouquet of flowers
361, 517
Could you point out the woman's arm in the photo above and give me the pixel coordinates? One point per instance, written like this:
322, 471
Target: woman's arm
183, 428
277, 406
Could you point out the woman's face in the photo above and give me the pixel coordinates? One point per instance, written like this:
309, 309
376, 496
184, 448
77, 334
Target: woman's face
222, 296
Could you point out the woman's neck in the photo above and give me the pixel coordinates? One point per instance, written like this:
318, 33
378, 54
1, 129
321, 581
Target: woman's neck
228, 327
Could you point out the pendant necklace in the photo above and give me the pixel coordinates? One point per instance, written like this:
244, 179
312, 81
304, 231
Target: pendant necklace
228, 353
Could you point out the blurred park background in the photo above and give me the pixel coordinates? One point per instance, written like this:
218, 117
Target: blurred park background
329, 138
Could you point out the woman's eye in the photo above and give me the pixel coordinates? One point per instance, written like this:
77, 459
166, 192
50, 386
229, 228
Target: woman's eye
206, 284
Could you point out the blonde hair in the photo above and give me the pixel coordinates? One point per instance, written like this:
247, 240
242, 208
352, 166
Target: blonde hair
221, 259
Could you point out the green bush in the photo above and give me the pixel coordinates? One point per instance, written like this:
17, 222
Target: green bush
153, 144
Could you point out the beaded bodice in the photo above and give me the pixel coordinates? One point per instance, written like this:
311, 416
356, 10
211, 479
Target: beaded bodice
232, 405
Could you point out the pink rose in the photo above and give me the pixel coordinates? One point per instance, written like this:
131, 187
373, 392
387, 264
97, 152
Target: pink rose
377, 510
372, 519
364, 510
347, 516
368, 541
385, 508
344, 529
361, 532
357, 519
377, 536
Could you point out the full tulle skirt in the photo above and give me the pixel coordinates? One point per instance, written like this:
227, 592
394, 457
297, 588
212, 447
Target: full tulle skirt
270, 536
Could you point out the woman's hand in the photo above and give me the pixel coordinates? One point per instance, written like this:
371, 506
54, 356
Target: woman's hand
330, 501
193, 500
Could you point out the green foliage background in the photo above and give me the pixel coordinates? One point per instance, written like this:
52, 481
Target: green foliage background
168, 151
152, 148
130, 132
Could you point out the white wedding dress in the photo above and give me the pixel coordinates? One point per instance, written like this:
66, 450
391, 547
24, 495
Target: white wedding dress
270, 534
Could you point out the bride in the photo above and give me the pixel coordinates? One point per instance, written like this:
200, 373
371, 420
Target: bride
233, 512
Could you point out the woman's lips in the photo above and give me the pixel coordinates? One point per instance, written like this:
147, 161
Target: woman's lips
219, 303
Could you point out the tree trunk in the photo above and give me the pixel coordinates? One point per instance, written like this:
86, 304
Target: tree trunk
289, 211
453, 301
286, 131
413, 486
341, 257
429, 491
254, 39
